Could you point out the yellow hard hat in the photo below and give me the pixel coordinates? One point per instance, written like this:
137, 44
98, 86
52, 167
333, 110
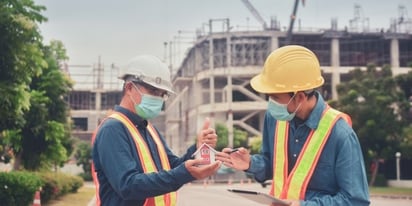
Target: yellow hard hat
289, 69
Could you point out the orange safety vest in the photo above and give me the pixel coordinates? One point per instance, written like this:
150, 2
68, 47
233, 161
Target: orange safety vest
293, 186
146, 160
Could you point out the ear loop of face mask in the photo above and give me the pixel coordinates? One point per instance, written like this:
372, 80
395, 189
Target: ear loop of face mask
294, 94
281, 112
138, 90
285, 105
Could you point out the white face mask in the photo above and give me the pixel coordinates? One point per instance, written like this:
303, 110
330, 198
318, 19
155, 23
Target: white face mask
150, 106
280, 111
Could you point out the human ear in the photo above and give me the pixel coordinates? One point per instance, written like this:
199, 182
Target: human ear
300, 96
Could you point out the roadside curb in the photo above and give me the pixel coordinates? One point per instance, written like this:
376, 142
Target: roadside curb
389, 196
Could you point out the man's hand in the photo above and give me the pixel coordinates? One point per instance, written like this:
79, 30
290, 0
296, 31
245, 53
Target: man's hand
201, 172
207, 135
239, 159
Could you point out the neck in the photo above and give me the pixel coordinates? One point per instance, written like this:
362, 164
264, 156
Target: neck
306, 108
128, 104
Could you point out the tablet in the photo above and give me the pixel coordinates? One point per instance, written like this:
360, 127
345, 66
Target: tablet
259, 197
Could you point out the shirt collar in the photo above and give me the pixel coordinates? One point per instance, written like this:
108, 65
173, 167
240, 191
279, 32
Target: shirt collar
136, 119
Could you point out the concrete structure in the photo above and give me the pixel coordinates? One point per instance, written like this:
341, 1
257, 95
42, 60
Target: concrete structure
213, 79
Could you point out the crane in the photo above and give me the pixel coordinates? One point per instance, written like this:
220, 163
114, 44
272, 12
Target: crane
292, 21
263, 22
255, 13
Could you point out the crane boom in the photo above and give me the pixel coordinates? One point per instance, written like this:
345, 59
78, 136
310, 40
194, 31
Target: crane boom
255, 13
292, 21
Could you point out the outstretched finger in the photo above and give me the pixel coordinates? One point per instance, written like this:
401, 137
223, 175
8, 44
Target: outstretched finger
206, 124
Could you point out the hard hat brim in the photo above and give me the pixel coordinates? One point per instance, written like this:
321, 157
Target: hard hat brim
260, 84
158, 86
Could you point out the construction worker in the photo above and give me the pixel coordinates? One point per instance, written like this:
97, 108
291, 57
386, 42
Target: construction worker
132, 164
309, 150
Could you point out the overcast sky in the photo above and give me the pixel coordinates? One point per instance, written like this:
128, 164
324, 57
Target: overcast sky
118, 30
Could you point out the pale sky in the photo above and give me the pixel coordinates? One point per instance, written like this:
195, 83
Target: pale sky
119, 30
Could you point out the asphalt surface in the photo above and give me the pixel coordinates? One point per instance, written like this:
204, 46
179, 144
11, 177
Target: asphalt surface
200, 194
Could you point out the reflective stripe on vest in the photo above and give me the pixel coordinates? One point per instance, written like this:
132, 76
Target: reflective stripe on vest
146, 160
294, 185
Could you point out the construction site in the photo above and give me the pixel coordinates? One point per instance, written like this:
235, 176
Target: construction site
212, 80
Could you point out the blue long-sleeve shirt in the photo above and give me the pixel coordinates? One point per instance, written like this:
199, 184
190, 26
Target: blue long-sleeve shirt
119, 171
339, 178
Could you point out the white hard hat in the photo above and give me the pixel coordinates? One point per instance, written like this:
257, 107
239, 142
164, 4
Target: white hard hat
148, 69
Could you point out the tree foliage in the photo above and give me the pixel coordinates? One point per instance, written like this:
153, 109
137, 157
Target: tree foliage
45, 138
255, 145
405, 83
240, 138
83, 156
34, 123
20, 58
378, 109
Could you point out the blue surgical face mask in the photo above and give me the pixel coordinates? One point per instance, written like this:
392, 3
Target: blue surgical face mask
280, 111
150, 106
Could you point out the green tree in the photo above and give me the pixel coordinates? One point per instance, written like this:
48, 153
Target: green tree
34, 122
378, 110
84, 157
405, 83
255, 145
240, 138
46, 137
223, 134
20, 58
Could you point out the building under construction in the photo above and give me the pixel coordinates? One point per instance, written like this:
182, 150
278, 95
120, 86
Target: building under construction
213, 78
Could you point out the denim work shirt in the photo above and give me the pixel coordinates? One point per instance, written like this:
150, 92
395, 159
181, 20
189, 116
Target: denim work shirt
119, 171
339, 177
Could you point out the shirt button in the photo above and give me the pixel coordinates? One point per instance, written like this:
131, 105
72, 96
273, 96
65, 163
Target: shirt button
294, 155
296, 140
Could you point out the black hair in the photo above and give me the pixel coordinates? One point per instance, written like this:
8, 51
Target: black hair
308, 93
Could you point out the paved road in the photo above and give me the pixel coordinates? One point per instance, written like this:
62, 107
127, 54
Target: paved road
217, 195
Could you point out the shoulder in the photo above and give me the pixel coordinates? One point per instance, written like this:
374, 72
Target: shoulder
110, 128
343, 133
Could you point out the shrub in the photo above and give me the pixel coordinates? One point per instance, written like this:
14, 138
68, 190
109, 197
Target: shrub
86, 176
58, 184
18, 188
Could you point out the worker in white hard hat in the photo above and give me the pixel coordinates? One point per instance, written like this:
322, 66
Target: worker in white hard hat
132, 164
309, 150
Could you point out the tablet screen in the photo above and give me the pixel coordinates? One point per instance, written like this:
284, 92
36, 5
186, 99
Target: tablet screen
259, 197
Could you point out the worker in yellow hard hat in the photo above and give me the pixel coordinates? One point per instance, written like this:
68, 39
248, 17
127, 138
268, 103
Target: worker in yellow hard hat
309, 150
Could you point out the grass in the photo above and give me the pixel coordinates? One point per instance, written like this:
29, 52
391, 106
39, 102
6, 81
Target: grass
82, 197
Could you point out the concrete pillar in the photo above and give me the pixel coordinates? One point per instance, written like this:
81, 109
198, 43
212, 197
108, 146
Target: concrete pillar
229, 91
394, 53
275, 43
335, 64
98, 106
211, 78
